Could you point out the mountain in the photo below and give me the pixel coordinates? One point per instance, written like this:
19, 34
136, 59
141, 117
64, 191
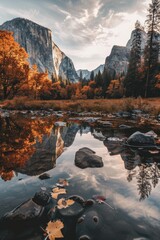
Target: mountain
143, 38
37, 41
63, 65
86, 74
117, 62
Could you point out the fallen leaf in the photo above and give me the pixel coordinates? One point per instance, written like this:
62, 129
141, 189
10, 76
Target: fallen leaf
57, 191
53, 230
62, 183
63, 203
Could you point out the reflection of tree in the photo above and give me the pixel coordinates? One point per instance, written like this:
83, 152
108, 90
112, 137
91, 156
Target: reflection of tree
155, 174
147, 172
144, 185
17, 142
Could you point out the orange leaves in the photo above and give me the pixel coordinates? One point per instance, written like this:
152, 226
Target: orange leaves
63, 203
57, 191
53, 230
13, 65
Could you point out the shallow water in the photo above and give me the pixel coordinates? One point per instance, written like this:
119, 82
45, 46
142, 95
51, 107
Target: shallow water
129, 179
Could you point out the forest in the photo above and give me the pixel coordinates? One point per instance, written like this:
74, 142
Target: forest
18, 78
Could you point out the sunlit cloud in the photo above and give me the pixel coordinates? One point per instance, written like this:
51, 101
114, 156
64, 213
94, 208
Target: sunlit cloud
81, 28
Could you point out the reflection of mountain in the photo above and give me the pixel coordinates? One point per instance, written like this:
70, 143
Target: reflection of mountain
31, 146
49, 150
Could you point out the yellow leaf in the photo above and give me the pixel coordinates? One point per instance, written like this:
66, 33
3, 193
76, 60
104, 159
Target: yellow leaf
63, 203
53, 230
57, 191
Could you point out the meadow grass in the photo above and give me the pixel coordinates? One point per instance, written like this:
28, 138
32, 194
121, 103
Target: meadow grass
97, 105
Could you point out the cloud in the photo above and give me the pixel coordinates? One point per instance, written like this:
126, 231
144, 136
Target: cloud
81, 27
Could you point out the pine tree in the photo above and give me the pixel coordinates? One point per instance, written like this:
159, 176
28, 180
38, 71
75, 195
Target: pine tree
99, 79
106, 81
81, 76
132, 82
152, 47
92, 75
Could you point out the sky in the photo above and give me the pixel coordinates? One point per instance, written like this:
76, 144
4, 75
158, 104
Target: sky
85, 30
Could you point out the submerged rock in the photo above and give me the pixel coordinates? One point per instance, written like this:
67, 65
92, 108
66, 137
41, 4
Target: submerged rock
139, 139
28, 210
44, 176
86, 157
32, 209
42, 198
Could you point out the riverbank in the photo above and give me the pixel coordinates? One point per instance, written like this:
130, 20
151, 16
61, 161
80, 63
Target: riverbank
151, 106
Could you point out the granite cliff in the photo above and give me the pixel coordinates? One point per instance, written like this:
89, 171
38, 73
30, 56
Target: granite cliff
37, 41
86, 73
117, 62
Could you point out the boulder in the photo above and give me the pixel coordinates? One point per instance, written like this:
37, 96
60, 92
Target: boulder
139, 139
42, 198
86, 157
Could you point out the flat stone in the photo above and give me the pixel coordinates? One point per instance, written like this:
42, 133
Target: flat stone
123, 126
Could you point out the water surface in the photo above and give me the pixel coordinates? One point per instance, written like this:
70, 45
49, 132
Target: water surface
129, 179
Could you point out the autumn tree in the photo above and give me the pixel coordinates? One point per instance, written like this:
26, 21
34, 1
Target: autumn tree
14, 67
152, 47
38, 83
132, 81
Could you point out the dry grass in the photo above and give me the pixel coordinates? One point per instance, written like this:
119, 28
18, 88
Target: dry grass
98, 105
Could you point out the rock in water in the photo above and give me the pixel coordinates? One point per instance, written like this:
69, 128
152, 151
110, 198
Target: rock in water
86, 157
27, 211
139, 139
42, 198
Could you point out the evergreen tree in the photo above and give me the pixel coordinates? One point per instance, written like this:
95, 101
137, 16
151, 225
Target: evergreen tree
99, 79
152, 47
106, 81
92, 75
132, 82
81, 76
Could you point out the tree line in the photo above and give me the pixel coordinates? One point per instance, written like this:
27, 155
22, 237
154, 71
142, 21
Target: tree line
18, 78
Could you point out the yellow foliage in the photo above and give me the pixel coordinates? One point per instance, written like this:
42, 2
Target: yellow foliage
63, 203
53, 230
57, 191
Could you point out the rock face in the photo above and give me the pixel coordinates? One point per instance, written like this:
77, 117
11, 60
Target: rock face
143, 38
64, 67
86, 74
37, 41
117, 62
85, 157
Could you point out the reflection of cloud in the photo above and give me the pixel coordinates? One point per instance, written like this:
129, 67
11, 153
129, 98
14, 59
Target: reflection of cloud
111, 182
